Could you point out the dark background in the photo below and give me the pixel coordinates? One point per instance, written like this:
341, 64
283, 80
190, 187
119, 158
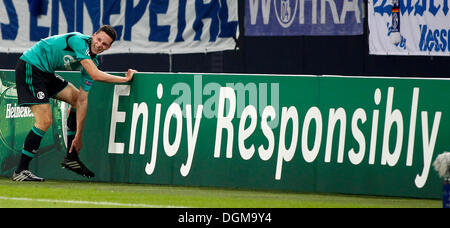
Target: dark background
339, 55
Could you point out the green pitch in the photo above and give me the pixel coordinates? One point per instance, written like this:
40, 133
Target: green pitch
93, 194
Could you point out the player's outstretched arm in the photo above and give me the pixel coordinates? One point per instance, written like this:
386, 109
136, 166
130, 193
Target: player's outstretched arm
98, 75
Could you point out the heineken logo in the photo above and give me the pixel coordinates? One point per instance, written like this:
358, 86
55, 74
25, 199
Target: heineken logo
13, 111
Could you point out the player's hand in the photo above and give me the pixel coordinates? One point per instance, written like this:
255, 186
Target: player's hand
77, 144
129, 74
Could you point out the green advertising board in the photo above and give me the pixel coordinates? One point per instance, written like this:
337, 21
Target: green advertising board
357, 135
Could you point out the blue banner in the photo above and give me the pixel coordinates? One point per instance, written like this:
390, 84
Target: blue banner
143, 26
303, 17
409, 27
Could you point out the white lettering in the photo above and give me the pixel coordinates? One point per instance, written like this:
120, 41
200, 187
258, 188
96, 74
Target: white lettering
335, 116
266, 154
139, 110
347, 7
266, 10
357, 157
244, 133
191, 137
334, 12
350, 6
226, 105
310, 155
286, 154
392, 117
254, 5
428, 146
13, 112
117, 117
150, 167
224, 122
412, 127
172, 148
8, 111
374, 132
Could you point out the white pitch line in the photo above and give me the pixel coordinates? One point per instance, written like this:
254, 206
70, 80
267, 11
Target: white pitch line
87, 202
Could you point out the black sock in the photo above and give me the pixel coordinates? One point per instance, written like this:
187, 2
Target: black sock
30, 147
71, 131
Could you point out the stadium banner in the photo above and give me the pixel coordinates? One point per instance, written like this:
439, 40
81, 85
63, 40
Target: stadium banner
143, 26
304, 17
413, 27
334, 134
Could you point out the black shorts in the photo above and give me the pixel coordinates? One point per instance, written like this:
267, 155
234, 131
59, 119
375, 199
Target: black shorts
35, 86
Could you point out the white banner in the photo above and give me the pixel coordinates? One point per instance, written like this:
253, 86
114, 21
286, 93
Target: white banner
424, 28
143, 26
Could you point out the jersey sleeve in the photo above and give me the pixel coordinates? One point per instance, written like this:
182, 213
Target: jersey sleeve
86, 81
80, 47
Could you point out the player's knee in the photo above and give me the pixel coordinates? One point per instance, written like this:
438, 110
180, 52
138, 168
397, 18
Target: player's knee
44, 123
74, 98
47, 122
69, 95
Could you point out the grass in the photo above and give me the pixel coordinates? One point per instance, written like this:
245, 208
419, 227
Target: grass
72, 194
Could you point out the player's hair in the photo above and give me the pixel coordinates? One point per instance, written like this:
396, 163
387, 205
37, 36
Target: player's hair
108, 29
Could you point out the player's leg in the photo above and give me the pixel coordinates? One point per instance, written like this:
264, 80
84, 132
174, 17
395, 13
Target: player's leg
43, 116
70, 96
32, 92
71, 132
72, 161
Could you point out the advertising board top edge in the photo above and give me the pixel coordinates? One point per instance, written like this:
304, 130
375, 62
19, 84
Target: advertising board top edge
298, 75
274, 75
387, 77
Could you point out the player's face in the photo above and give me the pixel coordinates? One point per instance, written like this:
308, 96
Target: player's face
100, 42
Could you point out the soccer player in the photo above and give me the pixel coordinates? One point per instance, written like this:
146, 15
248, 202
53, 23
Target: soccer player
37, 82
